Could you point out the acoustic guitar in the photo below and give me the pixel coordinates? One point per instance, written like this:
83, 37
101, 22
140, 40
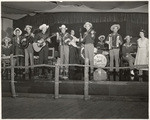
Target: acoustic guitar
37, 46
26, 40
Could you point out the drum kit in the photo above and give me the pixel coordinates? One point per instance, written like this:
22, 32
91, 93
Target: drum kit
100, 60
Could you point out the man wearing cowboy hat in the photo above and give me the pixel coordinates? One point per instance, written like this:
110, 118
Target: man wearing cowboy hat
7, 47
114, 40
29, 37
88, 40
64, 39
7, 51
18, 49
101, 44
127, 49
43, 53
17, 45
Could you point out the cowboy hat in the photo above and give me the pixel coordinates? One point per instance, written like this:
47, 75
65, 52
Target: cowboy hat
44, 26
101, 37
17, 29
128, 36
6, 38
63, 26
86, 24
27, 26
115, 25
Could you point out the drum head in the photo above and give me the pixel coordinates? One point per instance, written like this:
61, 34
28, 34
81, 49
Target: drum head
83, 52
100, 60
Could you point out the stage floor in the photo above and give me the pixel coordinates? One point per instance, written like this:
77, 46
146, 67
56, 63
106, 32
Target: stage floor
72, 109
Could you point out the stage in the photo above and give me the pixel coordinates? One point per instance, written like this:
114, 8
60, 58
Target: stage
46, 108
122, 85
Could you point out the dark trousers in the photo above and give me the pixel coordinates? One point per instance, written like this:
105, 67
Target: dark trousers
43, 59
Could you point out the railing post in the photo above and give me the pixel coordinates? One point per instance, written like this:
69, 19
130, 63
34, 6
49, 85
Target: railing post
140, 73
86, 80
57, 79
12, 77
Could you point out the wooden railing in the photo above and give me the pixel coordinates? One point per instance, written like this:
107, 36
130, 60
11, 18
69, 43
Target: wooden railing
57, 66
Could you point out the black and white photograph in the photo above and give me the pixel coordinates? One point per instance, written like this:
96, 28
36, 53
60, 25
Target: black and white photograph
74, 59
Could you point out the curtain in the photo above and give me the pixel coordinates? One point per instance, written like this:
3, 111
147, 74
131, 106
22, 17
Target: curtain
130, 23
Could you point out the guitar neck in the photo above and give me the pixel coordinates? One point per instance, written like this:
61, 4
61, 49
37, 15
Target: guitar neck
45, 39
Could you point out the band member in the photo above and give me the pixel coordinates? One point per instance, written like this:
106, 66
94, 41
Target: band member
73, 53
142, 52
88, 40
42, 38
64, 38
102, 47
17, 46
29, 38
7, 47
127, 49
114, 40
7, 51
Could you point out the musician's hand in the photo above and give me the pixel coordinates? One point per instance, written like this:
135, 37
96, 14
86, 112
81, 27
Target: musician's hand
57, 35
32, 35
107, 42
119, 41
49, 40
92, 35
24, 39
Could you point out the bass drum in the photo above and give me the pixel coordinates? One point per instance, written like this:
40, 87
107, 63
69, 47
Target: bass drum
100, 60
83, 52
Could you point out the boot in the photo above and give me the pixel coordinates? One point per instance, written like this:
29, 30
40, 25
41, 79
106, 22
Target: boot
32, 74
65, 77
26, 76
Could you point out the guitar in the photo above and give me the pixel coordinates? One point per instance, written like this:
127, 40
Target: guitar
26, 40
37, 46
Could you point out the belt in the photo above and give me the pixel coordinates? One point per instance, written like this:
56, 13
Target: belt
114, 48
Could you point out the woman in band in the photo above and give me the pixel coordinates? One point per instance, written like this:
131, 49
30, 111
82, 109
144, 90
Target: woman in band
127, 49
73, 49
29, 38
142, 52
42, 37
88, 40
64, 38
114, 40
73, 52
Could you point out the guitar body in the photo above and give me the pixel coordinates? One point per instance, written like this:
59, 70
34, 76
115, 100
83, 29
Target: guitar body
38, 46
24, 44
